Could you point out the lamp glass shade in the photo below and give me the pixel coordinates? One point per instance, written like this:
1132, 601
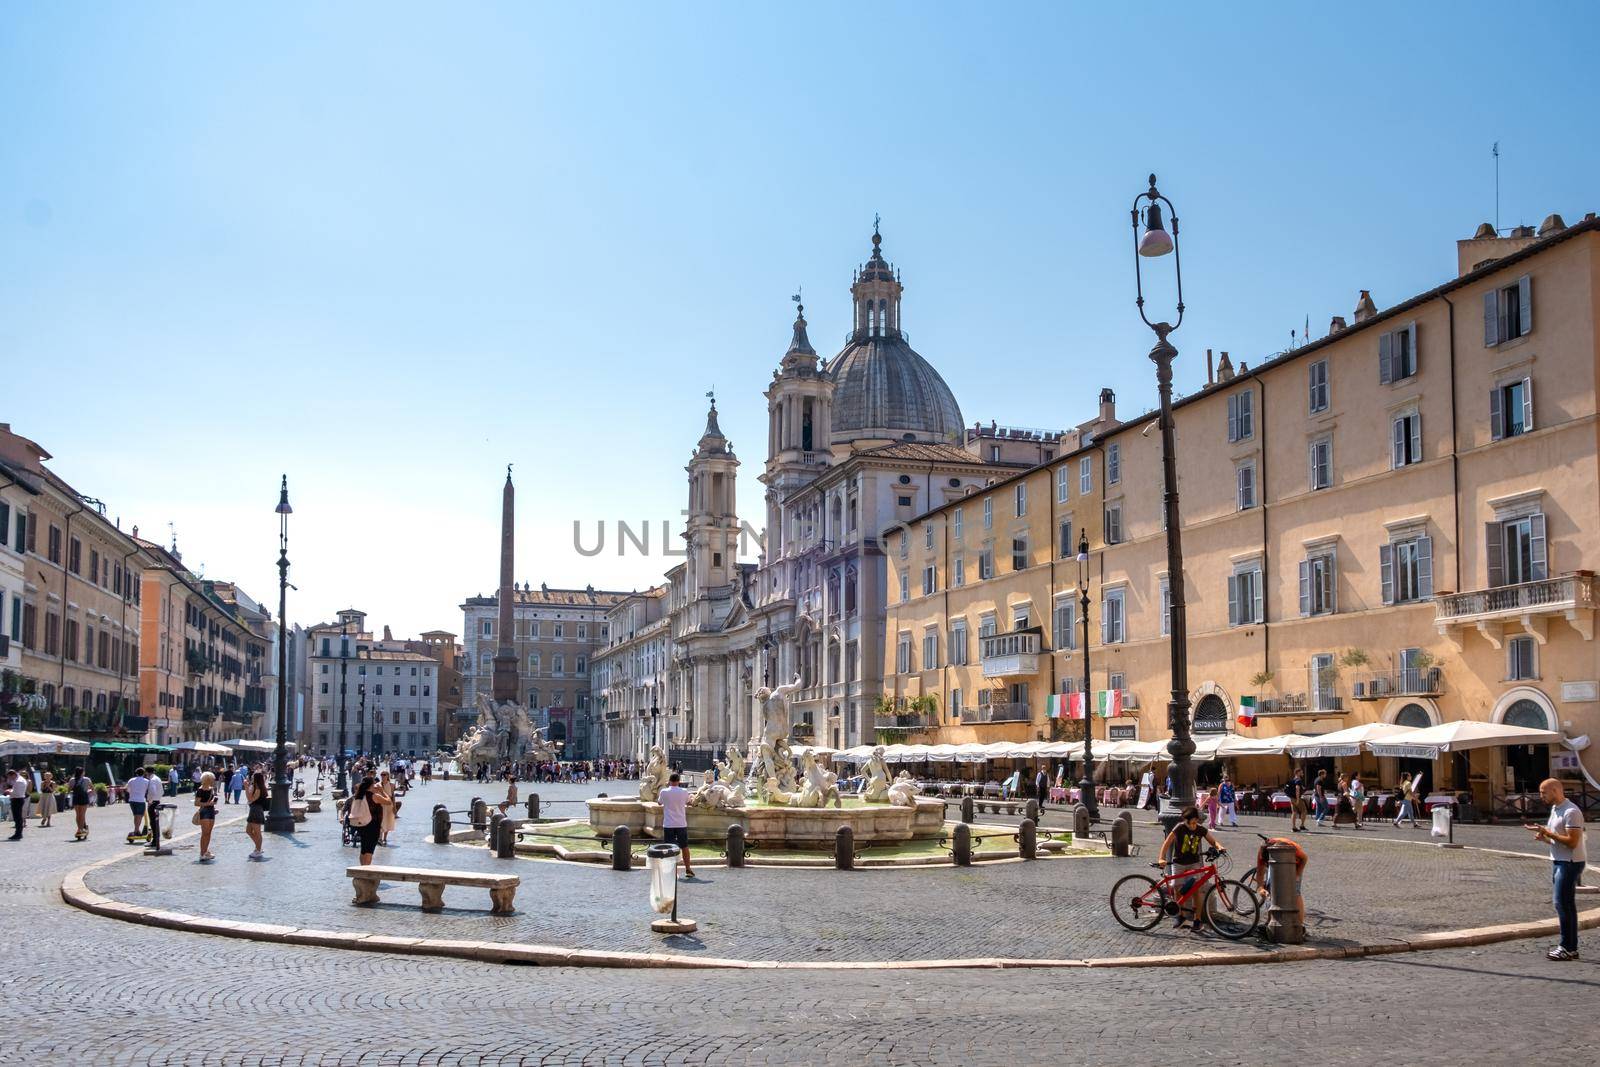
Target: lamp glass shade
283, 507
1156, 241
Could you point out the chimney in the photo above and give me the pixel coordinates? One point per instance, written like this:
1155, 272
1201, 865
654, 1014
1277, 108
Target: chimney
1336, 325
387, 636
1210, 373
1108, 406
1243, 367
1522, 231
1224, 368
1485, 232
1365, 308
1551, 224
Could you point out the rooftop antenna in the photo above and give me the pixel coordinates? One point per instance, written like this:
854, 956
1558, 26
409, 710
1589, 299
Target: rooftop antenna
1496, 153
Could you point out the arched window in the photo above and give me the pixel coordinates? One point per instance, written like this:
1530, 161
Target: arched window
1527, 713
69, 697
883, 316
533, 698
1413, 715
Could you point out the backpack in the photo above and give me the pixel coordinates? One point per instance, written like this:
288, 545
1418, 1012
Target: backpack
362, 815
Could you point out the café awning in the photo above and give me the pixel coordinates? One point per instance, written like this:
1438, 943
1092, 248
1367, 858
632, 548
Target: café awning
29, 743
1349, 742
1433, 741
204, 748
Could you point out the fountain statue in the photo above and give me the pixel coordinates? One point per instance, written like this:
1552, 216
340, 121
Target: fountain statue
903, 794
875, 790
775, 709
504, 731
820, 786
655, 775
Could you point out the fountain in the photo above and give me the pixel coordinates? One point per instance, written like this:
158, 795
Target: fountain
776, 806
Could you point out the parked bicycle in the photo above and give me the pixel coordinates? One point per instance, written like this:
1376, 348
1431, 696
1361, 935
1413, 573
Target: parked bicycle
1233, 909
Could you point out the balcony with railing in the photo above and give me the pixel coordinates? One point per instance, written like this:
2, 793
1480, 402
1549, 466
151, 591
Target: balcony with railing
1404, 681
904, 720
1009, 711
1571, 596
1010, 655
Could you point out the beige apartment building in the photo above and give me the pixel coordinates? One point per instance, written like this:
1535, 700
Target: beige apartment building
77, 619
1398, 522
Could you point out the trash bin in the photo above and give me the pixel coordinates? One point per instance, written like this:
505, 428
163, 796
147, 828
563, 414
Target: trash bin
1440, 823
662, 861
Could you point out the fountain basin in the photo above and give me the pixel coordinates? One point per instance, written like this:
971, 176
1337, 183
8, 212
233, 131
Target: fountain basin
775, 826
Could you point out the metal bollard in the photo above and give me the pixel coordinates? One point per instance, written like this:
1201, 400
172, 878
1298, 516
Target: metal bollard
1080, 821
493, 838
1122, 836
1283, 916
961, 845
844, 848
621, 849
1028, 841
735, 845
441, 825
479, 814
966, 809
507, 846
1030, 811
533, 805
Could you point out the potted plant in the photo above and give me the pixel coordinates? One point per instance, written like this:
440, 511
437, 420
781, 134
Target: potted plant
1261, 679
1355, 658
102, 794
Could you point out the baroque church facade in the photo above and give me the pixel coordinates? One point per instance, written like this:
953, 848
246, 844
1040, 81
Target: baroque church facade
855, 444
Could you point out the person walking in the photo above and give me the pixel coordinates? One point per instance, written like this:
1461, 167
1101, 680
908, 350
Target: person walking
1563, 832
674, 800
47, 799
152, 798
236, 784
138, 791
1319, 798
364, 815
390, 810
1227, 801
81, 789
205, 810
1041, 786
255, 794
1297, 803
17, 793
1358, 798
1407, 810
511, 794
172, 779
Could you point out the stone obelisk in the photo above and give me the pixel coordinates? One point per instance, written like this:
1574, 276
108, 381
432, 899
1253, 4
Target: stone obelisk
505, 656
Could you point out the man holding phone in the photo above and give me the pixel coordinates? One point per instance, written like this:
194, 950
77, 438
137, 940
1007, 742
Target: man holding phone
1563, 832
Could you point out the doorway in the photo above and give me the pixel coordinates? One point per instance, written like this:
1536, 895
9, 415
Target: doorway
1526, 765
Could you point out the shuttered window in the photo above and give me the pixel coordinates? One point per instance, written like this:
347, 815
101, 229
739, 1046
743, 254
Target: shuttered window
1241, 416
1508, 312
1406, 439
1321, 463
1065, 545
1406, 569
1397, 354
1245, 601
1112, 623
1317, 386
1511, 409
1113, 532
1245, 479
1517, 550
1113, 464
1065, 624
1317, 583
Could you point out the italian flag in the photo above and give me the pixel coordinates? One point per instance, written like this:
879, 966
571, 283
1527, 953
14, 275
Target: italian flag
1110, 703
1247, 711
1066, 706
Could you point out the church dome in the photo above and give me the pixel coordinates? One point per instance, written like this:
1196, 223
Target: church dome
882, 388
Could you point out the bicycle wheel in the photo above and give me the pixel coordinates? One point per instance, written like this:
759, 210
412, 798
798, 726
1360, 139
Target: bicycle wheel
1137, 902
1233, 909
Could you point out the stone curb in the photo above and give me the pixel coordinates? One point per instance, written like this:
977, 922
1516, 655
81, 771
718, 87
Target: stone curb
75, 891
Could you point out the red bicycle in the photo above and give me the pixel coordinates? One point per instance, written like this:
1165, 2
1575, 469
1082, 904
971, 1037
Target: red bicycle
1139, 902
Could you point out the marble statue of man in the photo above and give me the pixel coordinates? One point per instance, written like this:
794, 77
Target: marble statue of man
875, 790
775, 709
654, 778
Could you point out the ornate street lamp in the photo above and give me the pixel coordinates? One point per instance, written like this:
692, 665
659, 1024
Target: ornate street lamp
1154, 242
279, 818
1086, 783
343, 784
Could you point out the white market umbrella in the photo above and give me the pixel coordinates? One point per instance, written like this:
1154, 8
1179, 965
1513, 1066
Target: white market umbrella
973, 752
204, 748
1238, 745
1459, 736
940, 753
1349, 741
31, 743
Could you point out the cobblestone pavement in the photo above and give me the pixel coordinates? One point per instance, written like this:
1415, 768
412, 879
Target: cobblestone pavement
1051, 909
84, 989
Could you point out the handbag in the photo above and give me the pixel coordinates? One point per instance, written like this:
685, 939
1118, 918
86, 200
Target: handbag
194, 820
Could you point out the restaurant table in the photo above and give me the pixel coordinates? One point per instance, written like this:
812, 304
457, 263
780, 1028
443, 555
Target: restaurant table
1281, 802
1440, 800
1058, 795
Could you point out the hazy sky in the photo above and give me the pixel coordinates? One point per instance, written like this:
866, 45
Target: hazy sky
388, 249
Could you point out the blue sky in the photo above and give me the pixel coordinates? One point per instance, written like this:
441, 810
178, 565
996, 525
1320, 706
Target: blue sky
389, 248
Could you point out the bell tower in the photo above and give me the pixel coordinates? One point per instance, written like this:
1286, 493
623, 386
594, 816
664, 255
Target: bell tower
876, 292
799, 423
713, 527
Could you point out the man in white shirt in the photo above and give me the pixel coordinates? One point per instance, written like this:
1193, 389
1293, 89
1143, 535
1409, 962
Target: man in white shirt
152, 798
1564, 834
138, 793
674, 801
17, 793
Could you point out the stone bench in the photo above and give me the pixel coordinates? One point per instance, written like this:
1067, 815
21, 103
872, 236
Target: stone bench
314, 804
502, 887
298, 810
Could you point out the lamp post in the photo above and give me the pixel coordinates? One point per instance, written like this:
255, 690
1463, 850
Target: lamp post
1154, 242
1086, 783
343, 784
655, 728
279, 818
